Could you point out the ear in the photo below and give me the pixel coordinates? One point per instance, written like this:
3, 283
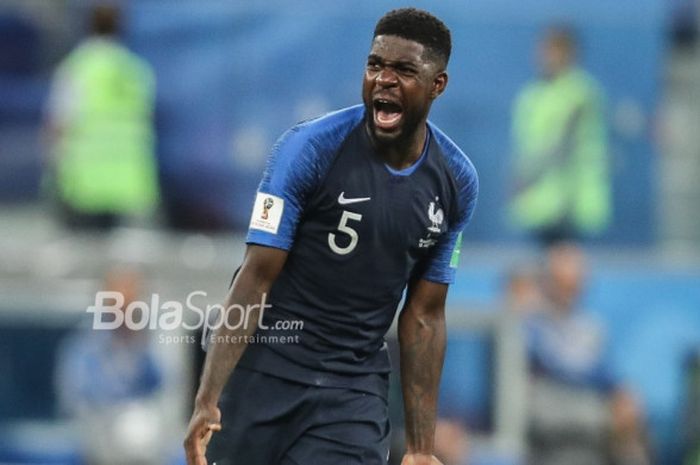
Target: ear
439, 84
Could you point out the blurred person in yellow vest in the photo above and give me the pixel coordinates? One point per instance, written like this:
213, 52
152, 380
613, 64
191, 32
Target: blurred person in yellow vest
100, 129
562, 185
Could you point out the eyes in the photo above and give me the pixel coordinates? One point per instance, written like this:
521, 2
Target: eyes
403, 69
373, 66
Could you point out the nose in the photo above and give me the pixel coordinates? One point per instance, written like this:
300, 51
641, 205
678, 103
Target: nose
386, 78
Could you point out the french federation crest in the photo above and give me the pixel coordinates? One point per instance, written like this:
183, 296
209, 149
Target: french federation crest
436, 217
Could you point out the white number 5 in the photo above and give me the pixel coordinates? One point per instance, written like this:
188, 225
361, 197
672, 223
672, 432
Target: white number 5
343, 227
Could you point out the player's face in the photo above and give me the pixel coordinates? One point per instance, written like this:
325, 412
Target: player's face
399, 86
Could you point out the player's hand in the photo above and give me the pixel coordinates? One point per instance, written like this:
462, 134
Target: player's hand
420, 459
204, 422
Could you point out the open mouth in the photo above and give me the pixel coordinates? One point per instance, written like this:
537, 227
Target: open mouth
387, 114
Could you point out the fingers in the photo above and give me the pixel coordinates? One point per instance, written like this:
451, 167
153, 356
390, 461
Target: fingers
211, 429
194, 453
197, 441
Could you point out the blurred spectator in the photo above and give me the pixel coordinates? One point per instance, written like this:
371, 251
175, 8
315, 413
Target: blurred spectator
110, 381
99, 126
580, 413
562, 186
524, 290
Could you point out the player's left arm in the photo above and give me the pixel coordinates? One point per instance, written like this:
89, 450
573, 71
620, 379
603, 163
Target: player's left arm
422, 321
422, 349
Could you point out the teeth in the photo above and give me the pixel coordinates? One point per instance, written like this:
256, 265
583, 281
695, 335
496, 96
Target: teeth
381, 101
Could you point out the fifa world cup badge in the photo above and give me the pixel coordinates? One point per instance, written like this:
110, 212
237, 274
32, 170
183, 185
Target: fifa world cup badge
263, 216
266, 207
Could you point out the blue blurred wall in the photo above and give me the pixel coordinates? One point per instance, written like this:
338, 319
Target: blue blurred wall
234, 75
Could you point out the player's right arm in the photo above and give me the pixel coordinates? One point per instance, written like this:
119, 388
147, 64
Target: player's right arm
260, 268
292, 172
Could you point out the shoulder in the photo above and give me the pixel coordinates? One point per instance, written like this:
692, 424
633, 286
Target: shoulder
75, 58
585, 84
318, 139
326, 132
130, 61
140, 64
588, 322
307, 150
528, 93
531, 88
583, 78
458, 163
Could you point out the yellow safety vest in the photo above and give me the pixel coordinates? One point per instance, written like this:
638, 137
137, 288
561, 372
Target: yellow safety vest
561, 155
105, 156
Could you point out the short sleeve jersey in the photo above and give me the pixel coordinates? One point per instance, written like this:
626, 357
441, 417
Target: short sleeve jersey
357, 232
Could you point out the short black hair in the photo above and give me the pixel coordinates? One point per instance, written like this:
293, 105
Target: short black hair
419, 26
105, 20
563, 35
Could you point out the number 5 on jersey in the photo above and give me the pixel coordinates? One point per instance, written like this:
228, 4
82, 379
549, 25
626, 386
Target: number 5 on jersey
344, 228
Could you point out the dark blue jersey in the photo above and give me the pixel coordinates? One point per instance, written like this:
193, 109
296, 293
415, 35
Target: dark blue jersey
357, 232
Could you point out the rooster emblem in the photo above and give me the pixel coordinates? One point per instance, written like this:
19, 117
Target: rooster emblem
436, 217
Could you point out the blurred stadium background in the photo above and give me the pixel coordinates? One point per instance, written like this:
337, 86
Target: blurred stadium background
231, 76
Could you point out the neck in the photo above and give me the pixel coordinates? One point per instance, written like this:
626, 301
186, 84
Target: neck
560, 71
403, 153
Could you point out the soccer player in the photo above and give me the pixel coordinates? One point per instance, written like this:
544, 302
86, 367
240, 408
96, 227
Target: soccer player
354, 208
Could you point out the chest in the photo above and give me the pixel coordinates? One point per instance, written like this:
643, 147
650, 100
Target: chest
361, 206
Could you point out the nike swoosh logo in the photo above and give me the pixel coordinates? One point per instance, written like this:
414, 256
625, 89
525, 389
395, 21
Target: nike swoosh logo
344, 201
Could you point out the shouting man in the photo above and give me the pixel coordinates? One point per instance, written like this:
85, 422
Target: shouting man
353, 208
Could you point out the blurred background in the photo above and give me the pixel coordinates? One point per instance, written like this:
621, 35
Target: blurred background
132, 138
